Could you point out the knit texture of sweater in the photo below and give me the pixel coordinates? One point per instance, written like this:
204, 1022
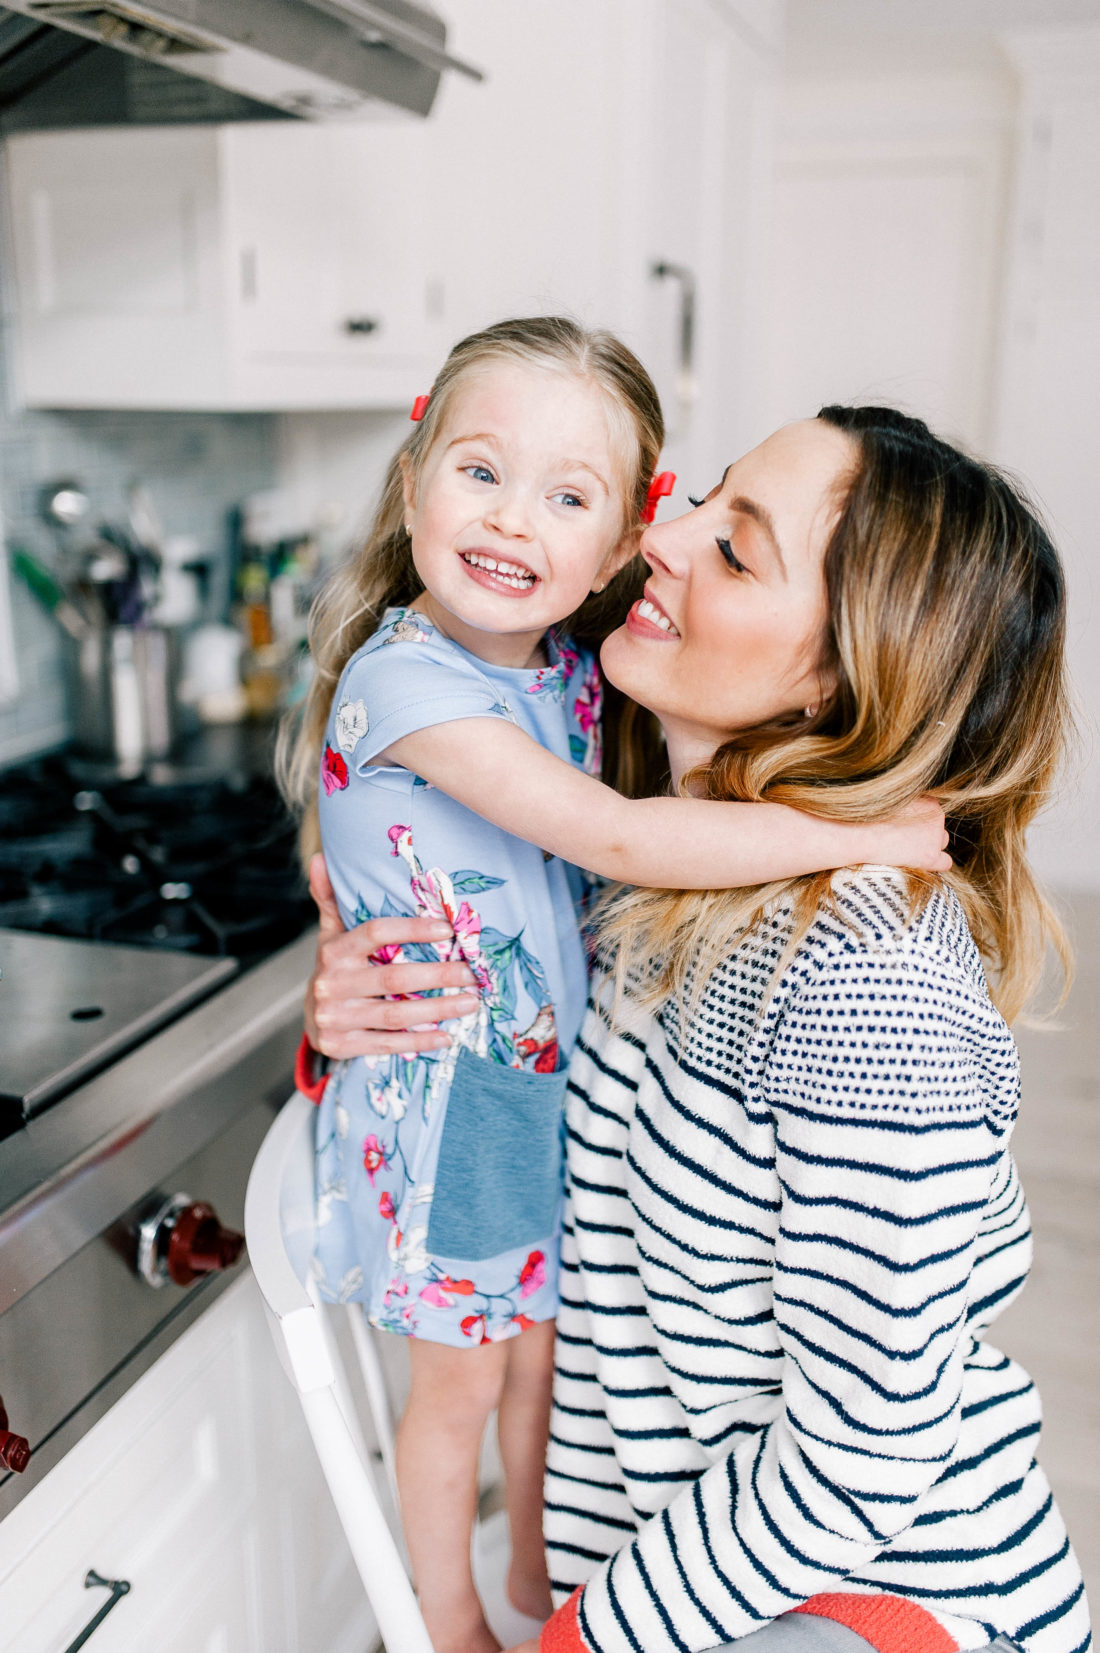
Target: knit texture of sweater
791, 1216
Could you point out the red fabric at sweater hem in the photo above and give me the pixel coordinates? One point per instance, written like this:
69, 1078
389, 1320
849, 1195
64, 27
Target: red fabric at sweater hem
561, 1633
891, 1624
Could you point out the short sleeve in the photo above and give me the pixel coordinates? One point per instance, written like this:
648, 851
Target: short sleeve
396, 686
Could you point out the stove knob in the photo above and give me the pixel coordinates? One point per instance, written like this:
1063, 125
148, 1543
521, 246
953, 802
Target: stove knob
180, 1239
15, 1450
198, 1244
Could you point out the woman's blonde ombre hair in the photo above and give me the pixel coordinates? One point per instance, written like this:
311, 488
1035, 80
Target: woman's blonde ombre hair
944, 648
382, 574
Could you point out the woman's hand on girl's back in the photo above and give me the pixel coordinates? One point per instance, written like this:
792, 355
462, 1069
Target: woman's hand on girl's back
356, 1005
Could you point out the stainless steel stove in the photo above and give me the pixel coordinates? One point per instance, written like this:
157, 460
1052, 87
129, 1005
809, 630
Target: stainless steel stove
153, 959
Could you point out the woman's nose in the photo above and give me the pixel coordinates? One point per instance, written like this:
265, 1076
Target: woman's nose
659, 546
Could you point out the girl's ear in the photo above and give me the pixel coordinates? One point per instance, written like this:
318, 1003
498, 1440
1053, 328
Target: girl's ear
616, 558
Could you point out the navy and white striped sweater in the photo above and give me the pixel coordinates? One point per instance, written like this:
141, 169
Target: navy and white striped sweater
784, 1237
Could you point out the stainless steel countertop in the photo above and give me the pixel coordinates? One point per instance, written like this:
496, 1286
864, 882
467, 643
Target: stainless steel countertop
160, 1103
68, 1007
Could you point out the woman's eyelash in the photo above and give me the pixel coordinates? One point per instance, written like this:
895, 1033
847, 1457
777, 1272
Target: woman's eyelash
726, 549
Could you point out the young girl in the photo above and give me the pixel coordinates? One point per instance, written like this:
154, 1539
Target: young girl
458, 731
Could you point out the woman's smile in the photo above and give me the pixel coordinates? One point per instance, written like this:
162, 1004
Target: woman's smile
648, 619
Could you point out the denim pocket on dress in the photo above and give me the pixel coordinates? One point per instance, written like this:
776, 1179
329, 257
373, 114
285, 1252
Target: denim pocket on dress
499, 1179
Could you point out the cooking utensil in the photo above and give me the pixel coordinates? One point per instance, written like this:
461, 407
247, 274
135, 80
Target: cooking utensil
123, 683
62, 504
148, 537
145, 524
42, 583
114, 564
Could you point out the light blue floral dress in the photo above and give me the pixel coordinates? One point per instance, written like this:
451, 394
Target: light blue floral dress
439, 1176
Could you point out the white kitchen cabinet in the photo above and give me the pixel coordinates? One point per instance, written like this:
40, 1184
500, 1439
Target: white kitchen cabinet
607, 140
201, 1488
238, 267
295, 267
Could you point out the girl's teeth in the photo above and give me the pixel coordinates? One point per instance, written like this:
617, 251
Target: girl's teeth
647, 612
512, 573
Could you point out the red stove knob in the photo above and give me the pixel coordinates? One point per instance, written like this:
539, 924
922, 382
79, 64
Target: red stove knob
15, 1450
198, 1244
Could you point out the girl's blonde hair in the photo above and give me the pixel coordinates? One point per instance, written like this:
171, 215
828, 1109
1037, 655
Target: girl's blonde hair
944, 645
349, 608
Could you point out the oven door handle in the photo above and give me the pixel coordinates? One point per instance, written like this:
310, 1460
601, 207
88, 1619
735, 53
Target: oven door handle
118, 1587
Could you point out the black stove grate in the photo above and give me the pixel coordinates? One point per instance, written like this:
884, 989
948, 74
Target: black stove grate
207, 866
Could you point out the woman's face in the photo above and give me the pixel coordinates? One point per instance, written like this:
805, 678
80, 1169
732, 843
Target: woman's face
730, 629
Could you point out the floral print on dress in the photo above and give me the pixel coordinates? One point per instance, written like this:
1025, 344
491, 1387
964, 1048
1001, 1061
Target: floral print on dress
503, 967
397, 846
352, 724
587, 748
553, 680
334, 772
408, 627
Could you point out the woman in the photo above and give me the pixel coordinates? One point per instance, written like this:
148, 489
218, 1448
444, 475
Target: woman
792, 1210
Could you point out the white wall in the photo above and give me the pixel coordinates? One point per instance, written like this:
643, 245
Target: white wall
889, 215
1048, 402
937, 245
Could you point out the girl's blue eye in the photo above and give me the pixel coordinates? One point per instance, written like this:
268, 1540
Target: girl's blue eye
481, 472
728, 557
571, 499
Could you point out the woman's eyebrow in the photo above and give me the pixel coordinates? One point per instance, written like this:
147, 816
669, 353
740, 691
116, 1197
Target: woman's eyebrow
761, 515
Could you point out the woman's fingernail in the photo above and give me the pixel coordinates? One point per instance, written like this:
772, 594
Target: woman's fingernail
440, 931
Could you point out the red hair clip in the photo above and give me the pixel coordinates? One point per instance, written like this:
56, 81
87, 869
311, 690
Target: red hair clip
420, 408
659, 488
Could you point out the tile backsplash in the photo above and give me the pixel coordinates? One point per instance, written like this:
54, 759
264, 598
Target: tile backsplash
195, 467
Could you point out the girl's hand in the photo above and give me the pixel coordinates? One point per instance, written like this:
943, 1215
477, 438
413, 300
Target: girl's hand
350, 1008
915, 837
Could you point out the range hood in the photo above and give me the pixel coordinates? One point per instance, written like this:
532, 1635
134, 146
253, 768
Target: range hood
73, 63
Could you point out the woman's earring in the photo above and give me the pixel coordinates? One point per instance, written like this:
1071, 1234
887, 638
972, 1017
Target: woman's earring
809, 711
408, 530
599, 585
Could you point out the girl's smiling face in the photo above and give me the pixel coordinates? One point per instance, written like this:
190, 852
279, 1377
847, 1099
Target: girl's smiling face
518, 510
729, 632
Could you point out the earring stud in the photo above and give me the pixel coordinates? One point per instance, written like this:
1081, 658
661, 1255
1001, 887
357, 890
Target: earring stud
809, 711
